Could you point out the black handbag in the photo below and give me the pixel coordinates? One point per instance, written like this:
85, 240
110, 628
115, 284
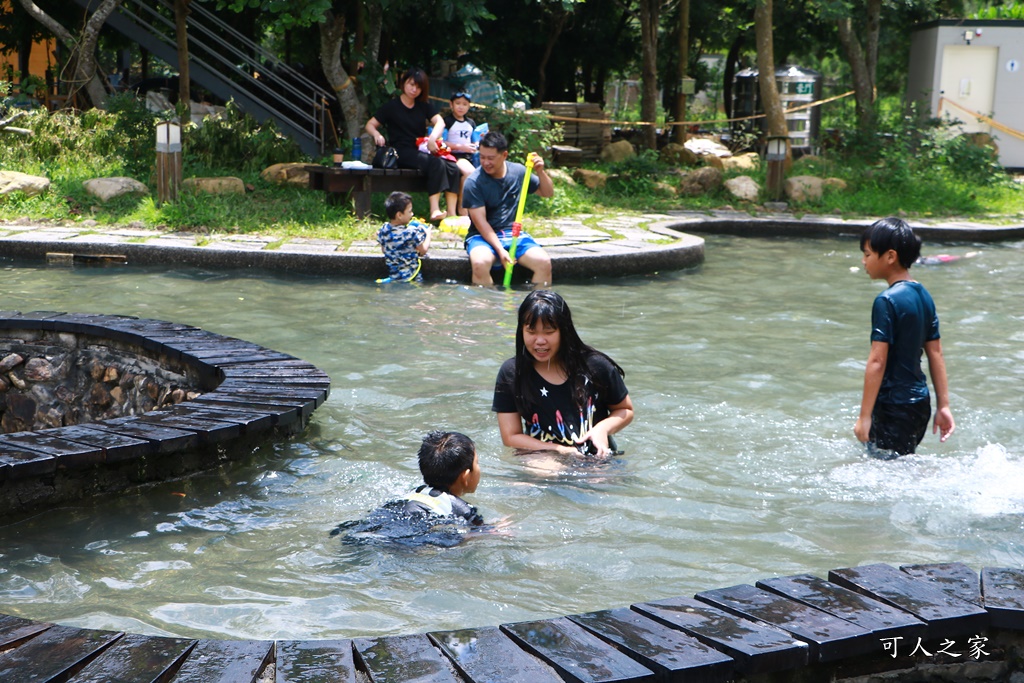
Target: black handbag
386, 158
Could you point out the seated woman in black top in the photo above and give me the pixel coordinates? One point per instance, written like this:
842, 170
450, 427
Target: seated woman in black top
570, 396
406, 118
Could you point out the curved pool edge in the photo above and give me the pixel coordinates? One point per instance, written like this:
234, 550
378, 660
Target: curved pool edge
917, 622
740, 224
249, 394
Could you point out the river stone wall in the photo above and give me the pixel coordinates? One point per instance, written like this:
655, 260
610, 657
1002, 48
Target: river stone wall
92, 404
55, 379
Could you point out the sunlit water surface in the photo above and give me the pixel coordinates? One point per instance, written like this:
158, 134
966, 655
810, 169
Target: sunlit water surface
740, 465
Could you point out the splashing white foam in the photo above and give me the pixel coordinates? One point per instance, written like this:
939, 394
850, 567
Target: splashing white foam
988, 483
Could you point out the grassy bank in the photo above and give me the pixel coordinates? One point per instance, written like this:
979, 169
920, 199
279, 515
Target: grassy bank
914, 172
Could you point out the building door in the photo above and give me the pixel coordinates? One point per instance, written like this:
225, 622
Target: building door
968, 80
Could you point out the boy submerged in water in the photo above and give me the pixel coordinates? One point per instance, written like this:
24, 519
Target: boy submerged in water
895, 406
433, 513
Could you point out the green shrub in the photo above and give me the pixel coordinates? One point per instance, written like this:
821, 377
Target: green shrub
236, 141
526, 131
637, 175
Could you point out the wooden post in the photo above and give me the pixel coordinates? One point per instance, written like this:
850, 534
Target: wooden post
168, 161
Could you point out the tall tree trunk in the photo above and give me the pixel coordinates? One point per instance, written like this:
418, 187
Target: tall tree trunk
549, 47
83, 49
863, 62
683, 71
649, 70
862, 87
181, 12
353, 107
770, 102
731, 59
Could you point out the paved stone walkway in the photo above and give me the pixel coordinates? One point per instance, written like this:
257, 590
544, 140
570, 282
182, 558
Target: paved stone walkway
588, 246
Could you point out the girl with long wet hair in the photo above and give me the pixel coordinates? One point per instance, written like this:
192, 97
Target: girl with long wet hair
558, 393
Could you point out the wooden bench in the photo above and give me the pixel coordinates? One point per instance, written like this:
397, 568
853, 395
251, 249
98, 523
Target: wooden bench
362, 183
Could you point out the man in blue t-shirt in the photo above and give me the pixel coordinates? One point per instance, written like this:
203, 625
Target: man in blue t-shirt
491, 195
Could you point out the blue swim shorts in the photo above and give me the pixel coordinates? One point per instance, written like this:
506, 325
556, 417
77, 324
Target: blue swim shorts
523, 244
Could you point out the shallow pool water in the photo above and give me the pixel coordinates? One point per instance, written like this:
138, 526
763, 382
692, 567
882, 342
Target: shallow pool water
741, 463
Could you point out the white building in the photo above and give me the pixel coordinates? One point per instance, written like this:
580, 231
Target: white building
973, 72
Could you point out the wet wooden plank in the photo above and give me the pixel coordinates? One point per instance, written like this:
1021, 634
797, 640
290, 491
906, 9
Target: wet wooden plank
486, 655
403, 659
945, 615
251, 422
56, 653
829, 637
1003, 590
69, 454
315, 661
575, 653
291, 393
19, 463
136, 659
283, 414
954, 578
14, 630
885, 621
116, 447
305, 407
225, 661
164, 439
754, 647
674, 656
209, 431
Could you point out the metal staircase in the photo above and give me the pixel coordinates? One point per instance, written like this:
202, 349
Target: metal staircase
230, 66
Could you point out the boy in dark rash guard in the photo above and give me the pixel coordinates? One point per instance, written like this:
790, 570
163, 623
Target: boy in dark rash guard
896, 406
434, 513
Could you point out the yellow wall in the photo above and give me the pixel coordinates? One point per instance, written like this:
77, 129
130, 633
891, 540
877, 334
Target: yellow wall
41, 57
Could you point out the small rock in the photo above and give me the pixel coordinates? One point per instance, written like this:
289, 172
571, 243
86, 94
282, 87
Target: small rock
803, 188
674, 153
743, 188
31, 185
744, 162
617, 151
291, 173
224, 185
10, 361
700, 181
591, 179
17, 381
106, 189
38, 370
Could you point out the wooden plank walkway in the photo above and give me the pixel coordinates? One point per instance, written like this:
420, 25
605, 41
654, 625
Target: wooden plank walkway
248, 393
793, 628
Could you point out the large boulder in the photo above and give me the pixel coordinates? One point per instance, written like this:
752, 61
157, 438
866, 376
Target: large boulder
804, 188
617, 151
707, 147
591, 179
743, 188
559, 176
700, 181
837, 184
15, 181
105, 189
223, 185
291, 173
742, 162
674, 153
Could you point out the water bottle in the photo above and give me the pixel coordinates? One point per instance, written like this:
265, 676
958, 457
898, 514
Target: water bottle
357, 149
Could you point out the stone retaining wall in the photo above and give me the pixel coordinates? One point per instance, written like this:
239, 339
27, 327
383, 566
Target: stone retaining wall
54, 379
91, 404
